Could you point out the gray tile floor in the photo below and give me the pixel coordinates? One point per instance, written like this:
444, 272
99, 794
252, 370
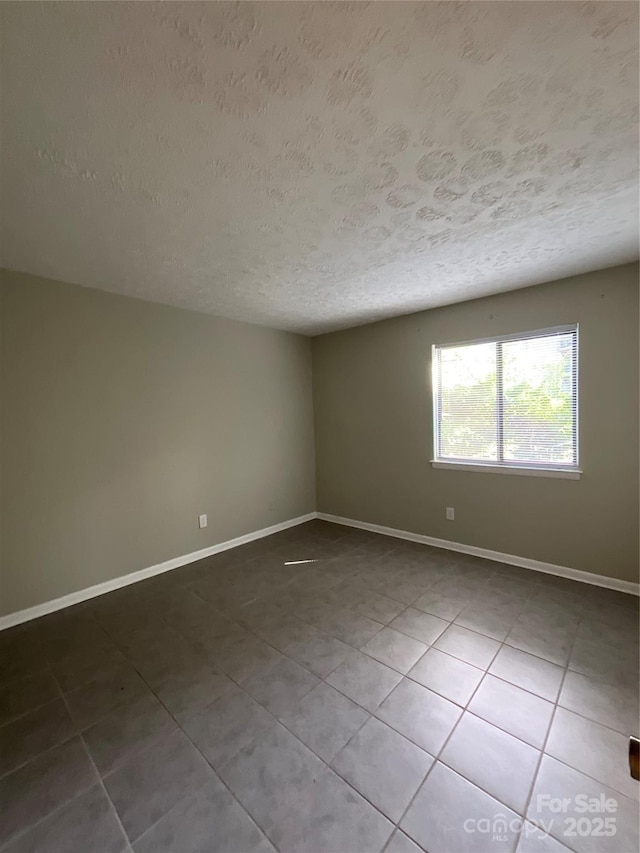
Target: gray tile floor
324, 689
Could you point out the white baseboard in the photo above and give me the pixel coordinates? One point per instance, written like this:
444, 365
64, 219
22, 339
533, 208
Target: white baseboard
523, 562
38, 610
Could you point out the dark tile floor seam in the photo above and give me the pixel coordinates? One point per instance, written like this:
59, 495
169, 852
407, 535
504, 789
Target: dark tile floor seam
429, 772
350, 785
548, 734
465, 709
100, 779
195, 745
35, 707
183, 798
106, 793
333, 636
567, 669
583, 716
118, 707
443, 747
364, 723
498, 726
130, 755
42, 752
485, 672
239, 684
558, 704
327, 765
22, 832
283, 652
635, 802
371, 713
364, 796
116, 636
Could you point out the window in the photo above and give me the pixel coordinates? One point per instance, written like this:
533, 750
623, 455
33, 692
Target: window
509, 403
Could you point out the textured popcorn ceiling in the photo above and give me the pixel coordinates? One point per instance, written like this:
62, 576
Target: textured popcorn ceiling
317, 165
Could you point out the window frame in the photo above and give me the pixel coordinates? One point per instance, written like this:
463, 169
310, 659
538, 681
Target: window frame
539, 469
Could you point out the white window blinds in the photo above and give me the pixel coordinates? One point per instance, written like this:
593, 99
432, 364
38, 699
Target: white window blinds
509, 401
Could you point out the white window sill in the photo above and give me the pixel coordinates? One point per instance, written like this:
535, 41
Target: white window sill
521, 470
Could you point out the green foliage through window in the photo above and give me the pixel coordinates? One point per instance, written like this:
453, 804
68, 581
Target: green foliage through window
508, 401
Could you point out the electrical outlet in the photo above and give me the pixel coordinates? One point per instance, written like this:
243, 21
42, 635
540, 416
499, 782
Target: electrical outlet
451, 514
202, 521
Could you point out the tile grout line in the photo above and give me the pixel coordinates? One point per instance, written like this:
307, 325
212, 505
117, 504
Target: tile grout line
37, 707
548, 734
557, 706
21, 832
327, 766
465, 709
276, 721
444, 746
97, 772
403, 675
250, 630
196, 747
520, 687
79, 733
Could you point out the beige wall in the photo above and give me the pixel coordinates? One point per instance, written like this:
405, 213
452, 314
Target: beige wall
123, 420
374, 434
